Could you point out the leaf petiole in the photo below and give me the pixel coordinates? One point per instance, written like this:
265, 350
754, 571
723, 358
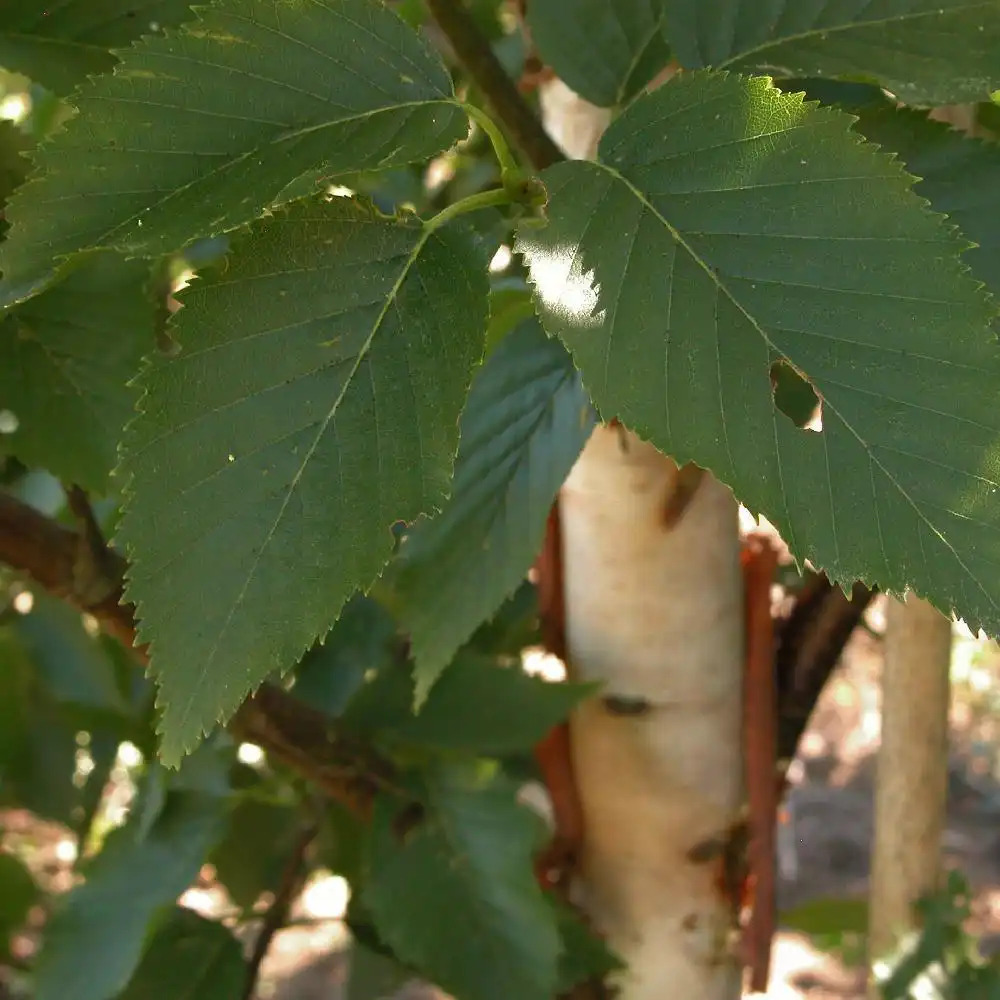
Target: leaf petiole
474, 202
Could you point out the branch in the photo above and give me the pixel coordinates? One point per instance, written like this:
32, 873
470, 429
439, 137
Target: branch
809, 645
480, 62
79, 568
276, 916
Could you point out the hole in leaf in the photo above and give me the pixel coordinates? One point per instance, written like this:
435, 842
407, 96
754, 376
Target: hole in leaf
795, 397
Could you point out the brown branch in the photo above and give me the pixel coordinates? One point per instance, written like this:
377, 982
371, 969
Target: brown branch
809, 645
481, 63
276, 916
79, 568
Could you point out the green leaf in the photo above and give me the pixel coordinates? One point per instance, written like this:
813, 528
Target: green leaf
605, 50
585, 956
254, 851
13, 163
37, 739
199, 132
94, 941
71, 664
476, 706
314, 402
526, 422
18, 894
464, 873
364, 639
924, 51
960, 177
727, 227
373, 976
828, 917
65, 360
192, 957
58, 45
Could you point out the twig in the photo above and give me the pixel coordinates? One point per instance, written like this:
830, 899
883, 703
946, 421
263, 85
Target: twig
287, 729
276, 916
479, 60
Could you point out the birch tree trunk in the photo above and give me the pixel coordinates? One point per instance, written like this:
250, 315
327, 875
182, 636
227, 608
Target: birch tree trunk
912, 780
656, 613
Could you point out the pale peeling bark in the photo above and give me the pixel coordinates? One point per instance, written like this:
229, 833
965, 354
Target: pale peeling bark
656, 612
657, 615
912, 776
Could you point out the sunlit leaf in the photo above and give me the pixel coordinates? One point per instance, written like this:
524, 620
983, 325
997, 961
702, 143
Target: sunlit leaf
726, 227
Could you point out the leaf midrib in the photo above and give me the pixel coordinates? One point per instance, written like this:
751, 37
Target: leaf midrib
821, 33
723, 289
426, 232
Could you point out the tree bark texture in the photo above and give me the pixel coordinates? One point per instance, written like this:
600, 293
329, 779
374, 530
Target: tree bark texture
912, 777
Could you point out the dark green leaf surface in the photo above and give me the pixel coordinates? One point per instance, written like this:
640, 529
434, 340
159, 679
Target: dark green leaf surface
59, 44
476, 707
198, 132
728, 226
72, 664
65, 360
363, 640
18, 893
526, 422
958, 176
924, 51
251, 856
464, 874
189, 957
94, 941
314, 401
606, 50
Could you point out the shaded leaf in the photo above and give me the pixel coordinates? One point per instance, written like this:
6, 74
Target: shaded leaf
958, 176
254, 850
464, 874
363, 639
13, 163
192, 957
59, 44
37, 740
526, 422
585, 957
924, 51
72, 665
373, 976
687, 243
18, 893
314, 402
198, 132
476, 706
65, 360
95, 939
605, 50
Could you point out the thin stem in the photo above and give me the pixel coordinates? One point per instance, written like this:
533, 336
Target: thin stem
481, 63
484, 199
508, 165
277, 913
